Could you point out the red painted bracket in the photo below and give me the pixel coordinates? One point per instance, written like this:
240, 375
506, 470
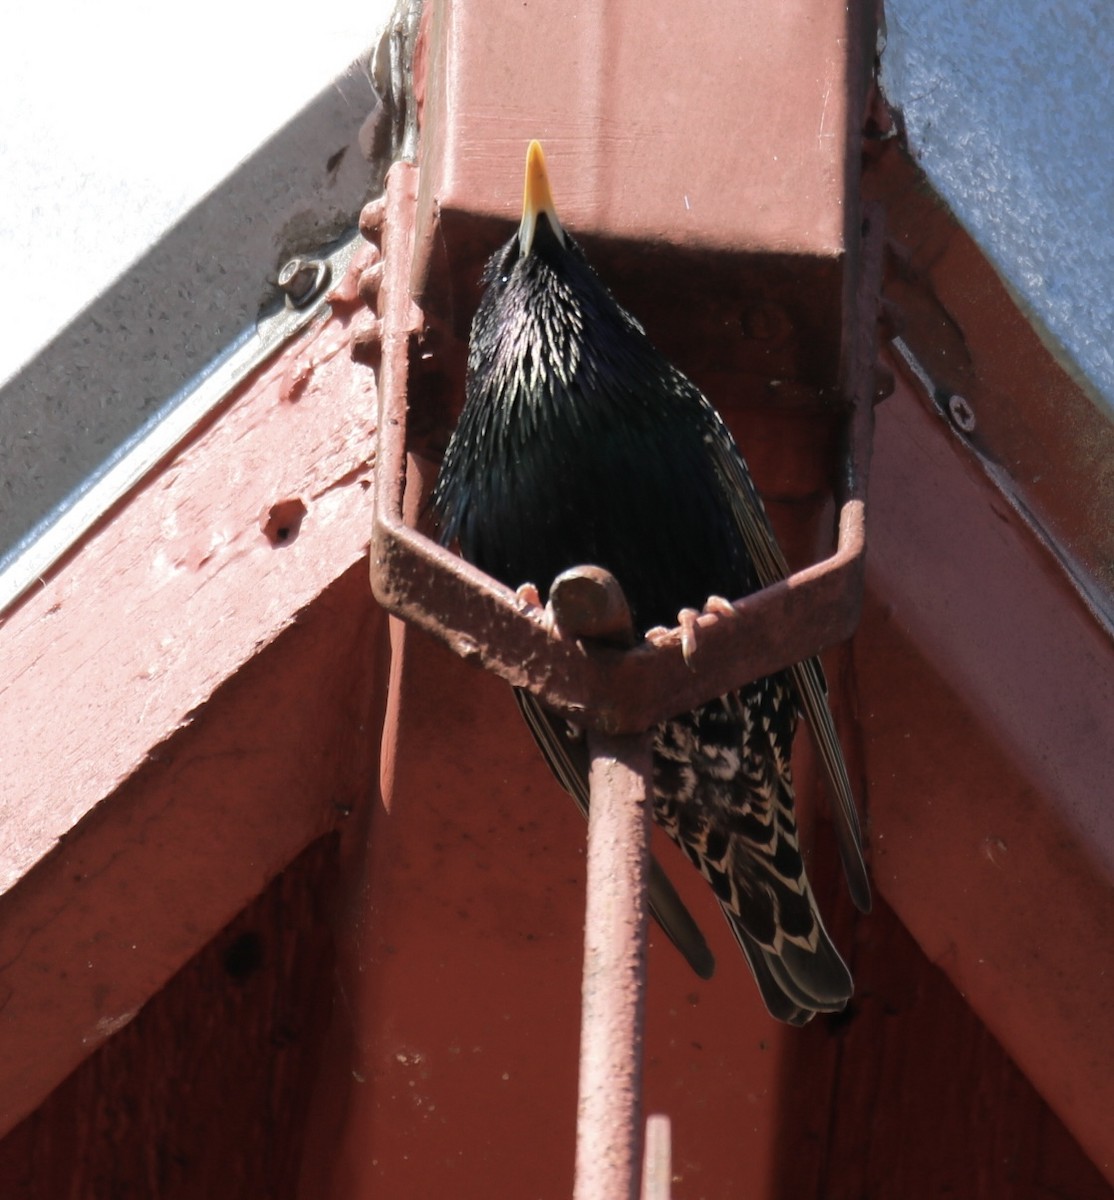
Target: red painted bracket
614, 691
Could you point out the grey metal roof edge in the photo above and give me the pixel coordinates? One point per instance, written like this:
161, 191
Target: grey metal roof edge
196, 294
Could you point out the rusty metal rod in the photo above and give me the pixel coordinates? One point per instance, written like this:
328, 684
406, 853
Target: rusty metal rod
657, 1163
609, 1113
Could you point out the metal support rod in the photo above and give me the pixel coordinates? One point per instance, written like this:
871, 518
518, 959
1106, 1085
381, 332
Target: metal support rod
657, 1163
609, 1114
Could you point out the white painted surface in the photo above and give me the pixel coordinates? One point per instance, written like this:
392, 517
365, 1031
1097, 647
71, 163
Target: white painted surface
1009, 108
117, 117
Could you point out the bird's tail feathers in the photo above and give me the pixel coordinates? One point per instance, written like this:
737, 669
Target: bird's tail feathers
796, 983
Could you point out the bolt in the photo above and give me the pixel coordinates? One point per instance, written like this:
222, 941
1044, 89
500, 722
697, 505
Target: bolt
301, 279
962, 414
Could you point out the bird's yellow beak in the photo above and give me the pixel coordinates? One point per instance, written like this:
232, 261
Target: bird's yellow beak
536, 199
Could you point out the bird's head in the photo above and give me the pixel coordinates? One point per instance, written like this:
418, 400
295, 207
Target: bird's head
544, 310
538, 291
541, 248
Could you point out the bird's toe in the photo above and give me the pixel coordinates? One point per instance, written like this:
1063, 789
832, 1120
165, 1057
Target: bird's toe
719, 606
529, 594
687, 619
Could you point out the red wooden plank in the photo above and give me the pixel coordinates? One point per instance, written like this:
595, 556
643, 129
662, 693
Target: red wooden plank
919, 1100
205, 1092
454, 1060
1049, 438
988, 713
122, 852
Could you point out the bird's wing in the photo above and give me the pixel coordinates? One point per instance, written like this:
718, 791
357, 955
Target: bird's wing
725, 795
808, 677
568, 760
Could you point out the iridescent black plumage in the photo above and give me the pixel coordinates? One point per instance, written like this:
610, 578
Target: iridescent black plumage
579, 444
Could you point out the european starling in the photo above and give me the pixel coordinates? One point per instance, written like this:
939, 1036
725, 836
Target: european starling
579, 443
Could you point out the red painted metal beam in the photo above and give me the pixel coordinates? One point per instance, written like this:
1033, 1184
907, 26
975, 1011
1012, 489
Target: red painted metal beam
588, 603
608, 690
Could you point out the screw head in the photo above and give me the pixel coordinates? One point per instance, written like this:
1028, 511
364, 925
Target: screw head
962, 414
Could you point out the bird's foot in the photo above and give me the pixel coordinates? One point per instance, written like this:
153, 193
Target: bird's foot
687, 619
714, 606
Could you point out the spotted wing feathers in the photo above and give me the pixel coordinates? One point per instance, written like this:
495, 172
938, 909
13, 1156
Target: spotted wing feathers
723, 791
808, 677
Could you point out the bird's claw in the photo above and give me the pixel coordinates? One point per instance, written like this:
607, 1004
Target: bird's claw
714, 606
718, 606
688, 619
529, 594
